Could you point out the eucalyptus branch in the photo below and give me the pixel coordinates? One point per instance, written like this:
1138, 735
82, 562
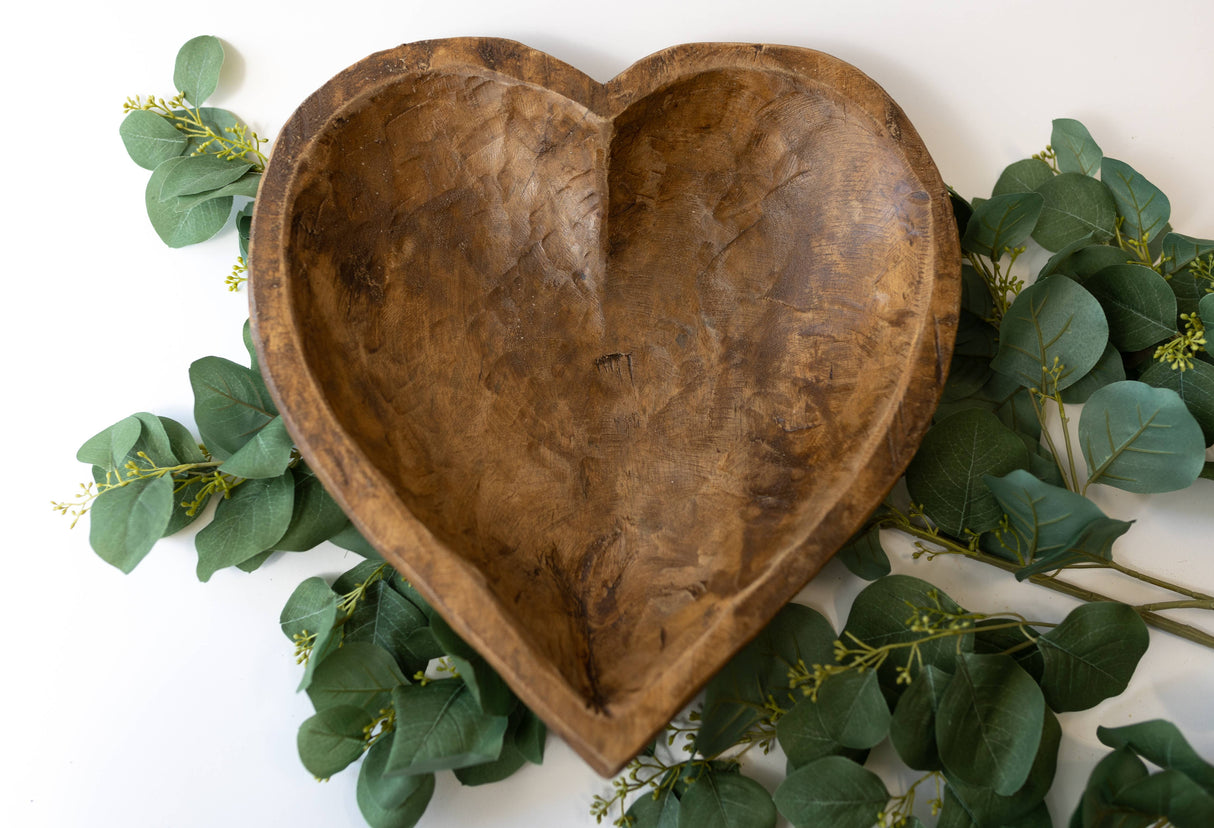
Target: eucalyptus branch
238, 143
895, 519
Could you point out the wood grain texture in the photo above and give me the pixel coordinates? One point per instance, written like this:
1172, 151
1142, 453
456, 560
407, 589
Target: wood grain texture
607, 370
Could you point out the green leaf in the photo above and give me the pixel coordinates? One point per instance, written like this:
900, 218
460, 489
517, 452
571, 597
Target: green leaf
1108, 369
315, 515
531, 736
126, 522
357, 674
1074, 148
1111, 775
1003, 222
1143, 205
1205, 309
854, 709
1091, 655
805, 735
196, 72
912, 730
1161, 743
247, 522
864, 556
182, 445
975, 295
1140, 307
389, 620
945, 475
228, 404
1020, 642
726, 800
440, 726
1053, 319
490, 691
989, 723
391, 801
881, 615
1180, 250
1075, 206
1022, 177
1140, 439
267, 454
150, 138
1195, 386
1095, 542
646, 811
1022, 807
1046, 520
735, 697
1169, 794
245, 187
1060, 262
832, 791
311, 610
179, 224
1092, 258
508, 762
197, 174
109, 448
350, 538
333, 738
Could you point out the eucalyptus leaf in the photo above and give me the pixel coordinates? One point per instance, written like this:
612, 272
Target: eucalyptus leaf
488, 688
996, 635
1205, 309
1023, 176
1108, 369
508, 762
390, 800
726, 800
882, 614
1051, 321
1179, 251
109, 447
989, 808
735, 696
1139, 305
244, 230
1074, 148
531, 736
247, 522
864, 556
196, 174
228, 404
1140, 439
350, 538
989, 723
388, 620
311, 610
650, 811
1002, 222
1169, 794
150, 138
1195, 385
196, 72
912, 729
1093, 258
945, 476
1094, 543
1075, 206
1143, 205
245, 187
1112, 774
854, 709
177, 224
315, 515
267, 454
805, 734
832, 791
440, 726
975, 295
331, 739
255, 563
1161, 743
181, 443
357, 674
1046, 519
126, 522
1091, 655
1060, 262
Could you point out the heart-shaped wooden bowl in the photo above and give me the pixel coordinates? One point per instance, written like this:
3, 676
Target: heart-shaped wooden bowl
607, 370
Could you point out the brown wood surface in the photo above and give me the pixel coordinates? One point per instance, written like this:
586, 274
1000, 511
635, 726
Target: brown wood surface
607, 370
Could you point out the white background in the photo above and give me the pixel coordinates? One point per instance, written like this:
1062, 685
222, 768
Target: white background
153, 700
